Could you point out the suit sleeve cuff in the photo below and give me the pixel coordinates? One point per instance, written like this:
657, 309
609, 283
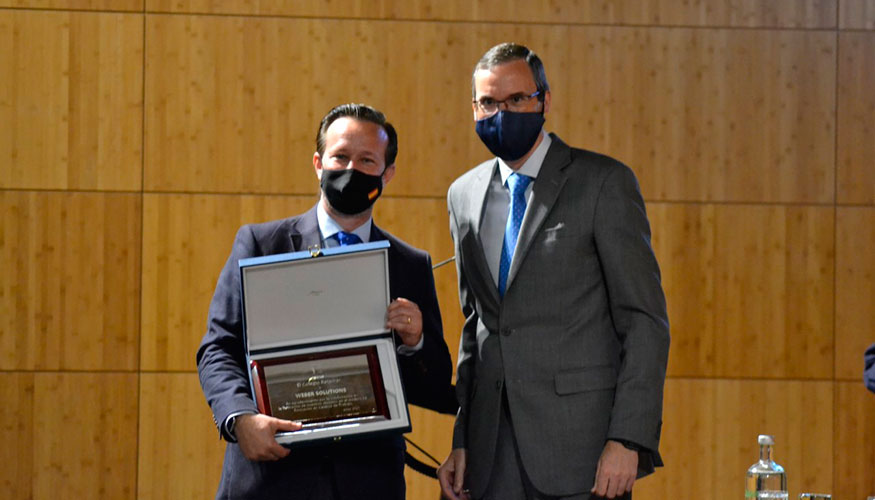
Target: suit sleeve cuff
629, 445
406, 350
228, 426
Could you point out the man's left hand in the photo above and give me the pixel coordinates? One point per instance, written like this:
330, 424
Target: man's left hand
616, 472
404, 317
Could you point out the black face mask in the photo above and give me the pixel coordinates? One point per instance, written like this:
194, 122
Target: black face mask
510, 135
349, 191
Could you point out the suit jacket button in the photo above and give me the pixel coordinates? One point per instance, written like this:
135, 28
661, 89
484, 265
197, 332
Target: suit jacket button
498, 385
506, 331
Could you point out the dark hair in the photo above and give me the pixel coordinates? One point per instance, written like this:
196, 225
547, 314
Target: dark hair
508, 52
359, 112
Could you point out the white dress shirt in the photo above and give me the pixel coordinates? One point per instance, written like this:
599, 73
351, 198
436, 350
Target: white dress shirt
328, 227
498, 202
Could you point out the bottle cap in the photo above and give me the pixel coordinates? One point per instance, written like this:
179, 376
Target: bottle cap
764, 439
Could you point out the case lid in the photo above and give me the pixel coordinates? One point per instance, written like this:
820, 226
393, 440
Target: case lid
295, 298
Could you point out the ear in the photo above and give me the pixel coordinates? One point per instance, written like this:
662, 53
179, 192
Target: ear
317, 165
474, 109
547, 99
388, 174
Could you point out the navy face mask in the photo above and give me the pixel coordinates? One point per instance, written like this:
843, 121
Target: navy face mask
510, 135
349, 191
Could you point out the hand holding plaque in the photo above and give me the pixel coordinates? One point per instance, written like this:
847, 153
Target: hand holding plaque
405, 318
318, 346
256, 436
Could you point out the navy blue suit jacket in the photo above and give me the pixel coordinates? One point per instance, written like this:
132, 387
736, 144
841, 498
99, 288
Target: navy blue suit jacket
369, 468
869, 367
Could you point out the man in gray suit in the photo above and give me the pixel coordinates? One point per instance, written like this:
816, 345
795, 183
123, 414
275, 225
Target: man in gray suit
564, 349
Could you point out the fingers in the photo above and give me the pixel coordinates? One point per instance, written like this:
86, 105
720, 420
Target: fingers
286, 425
616, 471
459, 479
600, 486
275, 450
404, 317
256, 436
451, 475
608, 487
445, 478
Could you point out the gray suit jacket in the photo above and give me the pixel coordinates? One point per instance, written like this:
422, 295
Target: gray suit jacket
580, 341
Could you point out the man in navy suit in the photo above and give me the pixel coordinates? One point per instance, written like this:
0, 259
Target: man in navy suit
354, 160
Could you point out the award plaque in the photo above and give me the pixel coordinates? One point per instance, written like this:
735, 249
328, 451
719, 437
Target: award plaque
317, 346
335, 386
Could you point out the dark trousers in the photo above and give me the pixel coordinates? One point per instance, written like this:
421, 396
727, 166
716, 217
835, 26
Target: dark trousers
362, 470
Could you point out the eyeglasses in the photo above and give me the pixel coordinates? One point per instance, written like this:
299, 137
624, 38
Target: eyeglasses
516, 102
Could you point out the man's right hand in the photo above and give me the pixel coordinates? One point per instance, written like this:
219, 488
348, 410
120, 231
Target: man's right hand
451, 475
255, 435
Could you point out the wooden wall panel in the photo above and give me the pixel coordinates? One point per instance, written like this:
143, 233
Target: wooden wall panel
186, 241
241, 112
753, 121
856, 118
17, 433
855, 289
69, 292
71, 100
114, 5
750, 13
84, 445
854, 438
85, 435
180, 454
708, 115
710, 434
857, 14
235, 116
744, 13
749, 289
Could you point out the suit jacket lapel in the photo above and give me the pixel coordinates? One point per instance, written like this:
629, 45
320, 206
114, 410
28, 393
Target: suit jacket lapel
377, 234
476, 202
545, 191
304, 232
479, 190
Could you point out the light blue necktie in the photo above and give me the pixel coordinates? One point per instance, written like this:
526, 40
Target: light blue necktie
517, 184
347, 238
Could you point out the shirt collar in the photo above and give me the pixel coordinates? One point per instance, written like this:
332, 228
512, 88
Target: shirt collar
532, 166
329, 227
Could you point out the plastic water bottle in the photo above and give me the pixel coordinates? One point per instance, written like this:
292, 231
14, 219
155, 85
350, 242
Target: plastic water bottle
766, 479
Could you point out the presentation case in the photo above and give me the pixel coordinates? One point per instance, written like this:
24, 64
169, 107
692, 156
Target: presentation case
316, 342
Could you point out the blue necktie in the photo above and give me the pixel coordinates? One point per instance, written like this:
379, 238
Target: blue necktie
517, 184
347, 238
